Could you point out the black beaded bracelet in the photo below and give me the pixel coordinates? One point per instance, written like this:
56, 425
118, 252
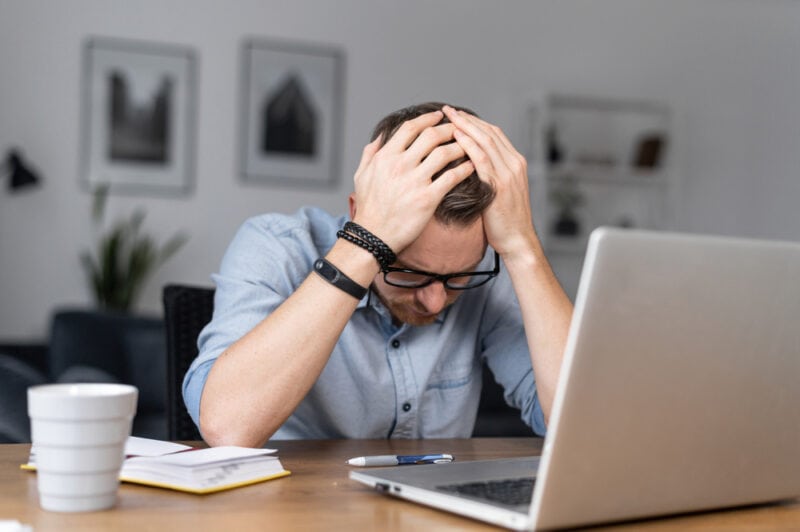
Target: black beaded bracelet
386, 257
362, 244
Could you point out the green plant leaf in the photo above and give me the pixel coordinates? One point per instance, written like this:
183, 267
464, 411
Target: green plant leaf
125, 258
172, 246
99, 202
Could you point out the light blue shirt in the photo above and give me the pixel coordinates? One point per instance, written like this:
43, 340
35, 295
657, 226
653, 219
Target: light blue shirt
382, 380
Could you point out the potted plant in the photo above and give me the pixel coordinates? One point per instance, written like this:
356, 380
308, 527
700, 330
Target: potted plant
567, 197
124, 257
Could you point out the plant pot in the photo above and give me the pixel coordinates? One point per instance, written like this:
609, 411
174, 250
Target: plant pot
566, 225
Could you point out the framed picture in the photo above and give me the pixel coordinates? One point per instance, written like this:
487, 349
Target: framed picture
291, 113
138, 116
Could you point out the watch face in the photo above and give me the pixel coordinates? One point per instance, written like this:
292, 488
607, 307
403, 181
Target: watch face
330, 273
326, 270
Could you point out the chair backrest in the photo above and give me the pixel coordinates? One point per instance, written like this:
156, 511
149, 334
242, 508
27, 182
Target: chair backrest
187, 309
495, 418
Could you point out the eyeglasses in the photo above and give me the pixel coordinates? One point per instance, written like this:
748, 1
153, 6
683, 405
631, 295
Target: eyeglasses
405, 278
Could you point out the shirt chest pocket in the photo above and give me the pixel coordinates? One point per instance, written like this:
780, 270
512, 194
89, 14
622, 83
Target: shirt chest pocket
450, 401
448, 376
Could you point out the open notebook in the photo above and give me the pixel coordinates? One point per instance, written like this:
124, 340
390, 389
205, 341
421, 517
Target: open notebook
183, 468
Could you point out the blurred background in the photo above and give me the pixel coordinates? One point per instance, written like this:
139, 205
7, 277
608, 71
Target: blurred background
717, 80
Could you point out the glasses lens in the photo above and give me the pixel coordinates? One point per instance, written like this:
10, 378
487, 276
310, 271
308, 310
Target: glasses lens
406, 280
463, 282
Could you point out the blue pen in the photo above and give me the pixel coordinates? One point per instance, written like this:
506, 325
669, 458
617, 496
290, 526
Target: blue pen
392, 460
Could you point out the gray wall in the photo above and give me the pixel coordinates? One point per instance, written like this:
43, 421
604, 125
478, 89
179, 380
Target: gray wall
729, 69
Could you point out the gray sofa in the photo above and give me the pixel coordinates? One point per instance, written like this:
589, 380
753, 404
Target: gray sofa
88, 346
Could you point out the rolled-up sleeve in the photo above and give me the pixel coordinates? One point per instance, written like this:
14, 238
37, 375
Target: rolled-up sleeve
262, 267
505, 349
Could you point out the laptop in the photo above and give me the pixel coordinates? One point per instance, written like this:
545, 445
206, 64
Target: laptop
679, 392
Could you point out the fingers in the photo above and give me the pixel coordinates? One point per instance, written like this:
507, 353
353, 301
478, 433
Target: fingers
410, 130
495, 132
367, 154
489, 137
452, 177
428, 140
433, 149
439, 158
477, 129
462, 119
477, 155
421, 155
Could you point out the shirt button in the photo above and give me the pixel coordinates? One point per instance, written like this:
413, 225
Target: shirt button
406, 407
395, 343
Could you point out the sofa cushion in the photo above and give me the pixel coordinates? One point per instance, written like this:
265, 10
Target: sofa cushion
15, 378
130, 349
85, 338
81, 373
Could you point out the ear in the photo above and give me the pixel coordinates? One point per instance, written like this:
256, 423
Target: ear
351, 201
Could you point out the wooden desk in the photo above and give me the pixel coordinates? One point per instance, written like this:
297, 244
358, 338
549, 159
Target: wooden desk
318, 496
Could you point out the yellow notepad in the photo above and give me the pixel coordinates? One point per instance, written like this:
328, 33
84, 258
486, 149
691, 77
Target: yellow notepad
204, 470
180, 467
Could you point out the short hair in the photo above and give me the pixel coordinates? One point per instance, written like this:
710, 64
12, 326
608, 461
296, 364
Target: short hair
465, 202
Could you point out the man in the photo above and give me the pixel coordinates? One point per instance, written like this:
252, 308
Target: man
297, 350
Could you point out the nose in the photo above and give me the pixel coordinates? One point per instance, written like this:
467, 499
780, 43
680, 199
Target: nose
433, 297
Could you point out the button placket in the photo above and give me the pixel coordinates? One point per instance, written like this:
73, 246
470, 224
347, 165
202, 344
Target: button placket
404, 388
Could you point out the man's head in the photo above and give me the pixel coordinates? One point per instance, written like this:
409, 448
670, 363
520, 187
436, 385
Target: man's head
466, 201
454, 241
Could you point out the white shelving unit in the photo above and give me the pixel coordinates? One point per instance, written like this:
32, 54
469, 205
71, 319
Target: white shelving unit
596, 161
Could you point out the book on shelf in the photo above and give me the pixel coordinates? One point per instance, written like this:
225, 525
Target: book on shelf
184, 468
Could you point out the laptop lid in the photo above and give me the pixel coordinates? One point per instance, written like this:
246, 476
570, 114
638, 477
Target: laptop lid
680, 385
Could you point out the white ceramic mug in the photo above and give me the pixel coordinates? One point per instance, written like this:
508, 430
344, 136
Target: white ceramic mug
79, 433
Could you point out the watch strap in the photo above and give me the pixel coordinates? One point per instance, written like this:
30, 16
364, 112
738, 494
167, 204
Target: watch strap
334, 275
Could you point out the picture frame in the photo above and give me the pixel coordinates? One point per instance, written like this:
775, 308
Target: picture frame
291, 109
138, 116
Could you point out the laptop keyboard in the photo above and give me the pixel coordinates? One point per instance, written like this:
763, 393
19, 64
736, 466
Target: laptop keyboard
512, 491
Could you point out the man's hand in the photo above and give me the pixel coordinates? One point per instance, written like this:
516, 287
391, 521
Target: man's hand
395, 196
507, 221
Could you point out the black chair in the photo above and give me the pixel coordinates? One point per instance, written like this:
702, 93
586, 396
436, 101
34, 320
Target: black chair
187, 309
495, 417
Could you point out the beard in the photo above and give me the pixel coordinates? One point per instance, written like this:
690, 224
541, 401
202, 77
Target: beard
405, 308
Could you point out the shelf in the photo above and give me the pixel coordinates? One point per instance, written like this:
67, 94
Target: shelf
608, 174
608, 160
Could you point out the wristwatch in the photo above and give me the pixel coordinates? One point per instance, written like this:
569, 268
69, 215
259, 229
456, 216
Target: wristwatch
333, 275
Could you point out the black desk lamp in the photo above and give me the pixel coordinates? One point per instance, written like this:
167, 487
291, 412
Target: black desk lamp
21, 176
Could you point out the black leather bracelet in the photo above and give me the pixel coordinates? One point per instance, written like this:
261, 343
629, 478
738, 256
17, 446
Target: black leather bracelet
352, 232
362, 244
333, 275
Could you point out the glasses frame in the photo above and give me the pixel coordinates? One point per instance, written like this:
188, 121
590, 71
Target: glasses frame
444, 278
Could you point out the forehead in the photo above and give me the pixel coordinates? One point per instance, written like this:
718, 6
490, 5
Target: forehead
444, 248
